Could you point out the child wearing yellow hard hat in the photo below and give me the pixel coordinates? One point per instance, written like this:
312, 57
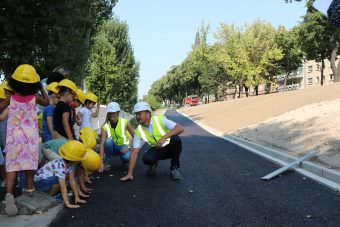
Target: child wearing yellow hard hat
88, 138
63, 119
22, 146
47, 118
51, 178
85, 114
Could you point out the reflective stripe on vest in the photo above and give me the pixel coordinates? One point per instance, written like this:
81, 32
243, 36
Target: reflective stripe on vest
157, 127
122, 134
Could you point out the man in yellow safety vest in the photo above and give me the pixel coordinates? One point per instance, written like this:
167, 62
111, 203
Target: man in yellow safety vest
161, 134
115, 135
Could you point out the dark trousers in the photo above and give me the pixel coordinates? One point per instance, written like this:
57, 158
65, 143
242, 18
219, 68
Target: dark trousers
171, 151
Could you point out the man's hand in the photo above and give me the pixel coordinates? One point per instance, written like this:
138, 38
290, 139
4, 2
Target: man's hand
161, 142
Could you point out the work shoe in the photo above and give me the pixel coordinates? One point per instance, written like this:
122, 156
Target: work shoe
11, 209
107, 167
152, 170
175, 174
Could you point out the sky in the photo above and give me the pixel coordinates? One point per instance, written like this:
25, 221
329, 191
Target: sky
162, 32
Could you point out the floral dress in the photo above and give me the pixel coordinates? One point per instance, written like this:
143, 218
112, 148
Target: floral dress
22, 134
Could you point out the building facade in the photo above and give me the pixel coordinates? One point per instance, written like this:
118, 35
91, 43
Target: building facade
308, 75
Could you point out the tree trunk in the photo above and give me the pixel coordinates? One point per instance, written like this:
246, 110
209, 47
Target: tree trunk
285, 81
240, 90
269, 88
257, 90
246, 89
322, 68
235, 91
335, 69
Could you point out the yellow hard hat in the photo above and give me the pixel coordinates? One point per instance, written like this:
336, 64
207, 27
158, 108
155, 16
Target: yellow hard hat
72, 151
88, 137
53, 87
2, 93
91, 161
26, 73
92, 97
6, 86
80, 96
69, 84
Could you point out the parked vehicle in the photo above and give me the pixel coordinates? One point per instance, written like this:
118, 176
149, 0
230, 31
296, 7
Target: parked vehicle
191, 100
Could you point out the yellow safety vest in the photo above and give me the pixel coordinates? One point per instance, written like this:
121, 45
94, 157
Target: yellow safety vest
158, 130
119, 134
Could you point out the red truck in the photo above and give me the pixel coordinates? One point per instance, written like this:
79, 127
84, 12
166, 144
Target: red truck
191, 100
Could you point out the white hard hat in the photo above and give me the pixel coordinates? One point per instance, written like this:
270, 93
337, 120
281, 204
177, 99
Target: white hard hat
112, 107
141, 106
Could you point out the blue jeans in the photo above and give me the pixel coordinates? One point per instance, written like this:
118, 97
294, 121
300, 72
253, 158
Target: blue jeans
112, 149
46, 184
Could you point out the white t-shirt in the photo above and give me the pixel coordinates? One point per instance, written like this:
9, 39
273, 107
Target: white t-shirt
168, 124
56, 168
86, 117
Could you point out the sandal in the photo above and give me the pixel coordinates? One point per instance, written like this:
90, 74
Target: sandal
29, 192
11, 209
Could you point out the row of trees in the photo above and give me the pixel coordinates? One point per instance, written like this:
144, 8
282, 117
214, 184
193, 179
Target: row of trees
72, 34
247, 57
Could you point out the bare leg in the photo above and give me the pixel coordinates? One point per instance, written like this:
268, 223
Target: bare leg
2, 172
10, 180
54, 189
29, 182
10, 208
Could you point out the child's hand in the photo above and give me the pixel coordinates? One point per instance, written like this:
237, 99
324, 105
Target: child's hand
72, 206
88, 190
78, 200
84, 195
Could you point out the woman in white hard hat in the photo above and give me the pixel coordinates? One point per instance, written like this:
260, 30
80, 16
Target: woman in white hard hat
115, 135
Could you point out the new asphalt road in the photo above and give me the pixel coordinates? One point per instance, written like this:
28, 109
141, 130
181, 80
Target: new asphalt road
222, 187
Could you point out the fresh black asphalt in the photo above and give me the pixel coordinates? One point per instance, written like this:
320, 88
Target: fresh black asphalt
222, 187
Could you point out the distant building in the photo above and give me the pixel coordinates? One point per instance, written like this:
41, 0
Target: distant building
308, 75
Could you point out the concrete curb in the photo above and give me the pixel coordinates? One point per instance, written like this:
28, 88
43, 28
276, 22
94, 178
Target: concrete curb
41, 220
327, 177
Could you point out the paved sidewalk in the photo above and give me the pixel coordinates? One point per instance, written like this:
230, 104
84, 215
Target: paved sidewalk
36, 220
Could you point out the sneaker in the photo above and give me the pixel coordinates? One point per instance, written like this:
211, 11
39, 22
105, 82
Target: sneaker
107, 167
11, 209
152, 170
175, 174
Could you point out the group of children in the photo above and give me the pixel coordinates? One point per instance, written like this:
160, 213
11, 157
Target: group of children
64, 159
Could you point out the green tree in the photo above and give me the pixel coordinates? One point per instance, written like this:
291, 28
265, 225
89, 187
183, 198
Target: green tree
112, 70
287, 41
153, 101
48, 33
263, 53
319, 40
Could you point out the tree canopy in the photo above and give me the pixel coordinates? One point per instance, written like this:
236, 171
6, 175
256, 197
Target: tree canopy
112, 71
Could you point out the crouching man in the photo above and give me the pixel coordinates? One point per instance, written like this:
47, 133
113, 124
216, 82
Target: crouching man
161, 134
